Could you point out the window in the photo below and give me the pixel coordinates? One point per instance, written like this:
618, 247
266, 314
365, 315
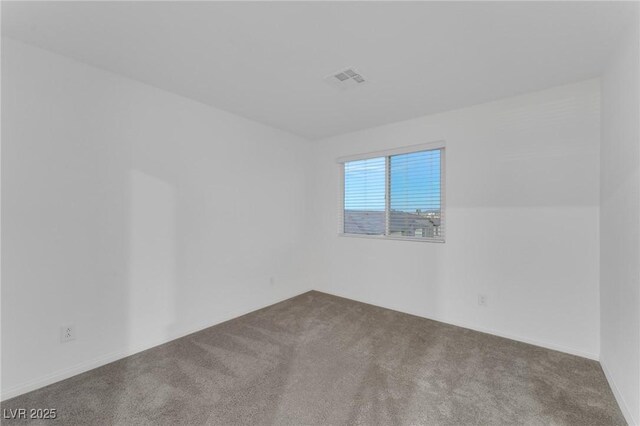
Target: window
396, 195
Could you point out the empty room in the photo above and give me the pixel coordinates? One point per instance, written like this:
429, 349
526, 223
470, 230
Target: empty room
320, 213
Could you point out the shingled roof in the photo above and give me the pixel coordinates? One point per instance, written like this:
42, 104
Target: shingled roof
372, 222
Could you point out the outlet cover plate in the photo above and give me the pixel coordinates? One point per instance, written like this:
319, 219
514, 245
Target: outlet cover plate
67, 333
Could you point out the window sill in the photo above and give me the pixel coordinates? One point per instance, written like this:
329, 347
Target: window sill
386, 237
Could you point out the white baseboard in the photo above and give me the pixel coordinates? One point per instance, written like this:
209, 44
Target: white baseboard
616, 393
547, 345
114, 356
62, 374
82, 367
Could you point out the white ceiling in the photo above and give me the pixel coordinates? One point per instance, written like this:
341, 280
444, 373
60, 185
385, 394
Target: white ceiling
267, 60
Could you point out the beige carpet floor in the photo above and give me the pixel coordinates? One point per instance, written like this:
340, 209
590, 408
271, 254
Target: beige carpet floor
320, 359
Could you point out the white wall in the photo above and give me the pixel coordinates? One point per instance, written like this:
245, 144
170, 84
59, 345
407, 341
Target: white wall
620, 225
133, 213
522, 221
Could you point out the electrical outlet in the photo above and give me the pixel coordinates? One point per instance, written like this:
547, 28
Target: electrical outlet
272, 281
67, 333
482, 300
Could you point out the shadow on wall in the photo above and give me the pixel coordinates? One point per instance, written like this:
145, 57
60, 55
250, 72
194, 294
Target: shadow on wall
152, 274
151, 295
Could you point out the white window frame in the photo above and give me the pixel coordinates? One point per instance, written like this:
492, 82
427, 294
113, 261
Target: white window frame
388, 153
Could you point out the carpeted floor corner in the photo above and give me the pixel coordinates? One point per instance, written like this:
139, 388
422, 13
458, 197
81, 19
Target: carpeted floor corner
318, 359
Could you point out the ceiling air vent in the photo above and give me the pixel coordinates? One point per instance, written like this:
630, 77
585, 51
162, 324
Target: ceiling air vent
345, 79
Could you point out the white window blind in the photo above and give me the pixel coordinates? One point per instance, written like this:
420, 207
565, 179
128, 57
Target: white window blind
365, 196
397, 196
